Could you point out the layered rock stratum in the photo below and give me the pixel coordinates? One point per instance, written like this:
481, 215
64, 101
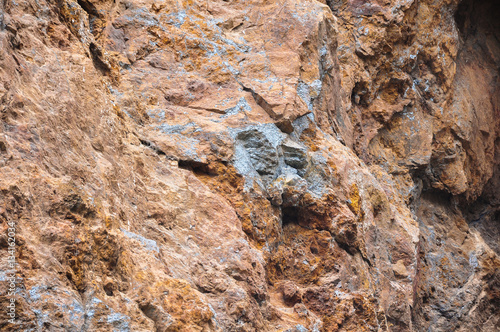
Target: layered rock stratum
250, 165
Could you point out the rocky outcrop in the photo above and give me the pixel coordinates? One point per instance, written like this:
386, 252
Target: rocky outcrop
217, 165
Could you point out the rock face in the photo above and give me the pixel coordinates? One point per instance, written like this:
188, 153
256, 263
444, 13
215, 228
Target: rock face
215, 165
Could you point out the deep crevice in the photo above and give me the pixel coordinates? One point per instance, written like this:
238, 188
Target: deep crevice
290, 215
194, 166
89, 8
96, 53
152, 146
260, 101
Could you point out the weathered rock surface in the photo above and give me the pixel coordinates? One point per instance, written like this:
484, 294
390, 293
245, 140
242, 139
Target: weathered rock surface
295, 165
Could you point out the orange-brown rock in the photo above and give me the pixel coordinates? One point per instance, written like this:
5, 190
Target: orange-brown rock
296, 165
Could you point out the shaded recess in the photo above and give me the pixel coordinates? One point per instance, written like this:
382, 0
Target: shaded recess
479, 26
290, 215
449, 257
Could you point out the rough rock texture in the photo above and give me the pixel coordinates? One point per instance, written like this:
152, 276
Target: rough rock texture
215, 165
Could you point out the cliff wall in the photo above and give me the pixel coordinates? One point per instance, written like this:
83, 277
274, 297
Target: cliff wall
230, 165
